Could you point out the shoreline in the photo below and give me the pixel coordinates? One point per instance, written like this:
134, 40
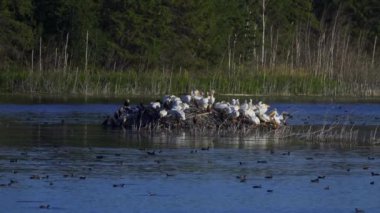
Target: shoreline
35, 98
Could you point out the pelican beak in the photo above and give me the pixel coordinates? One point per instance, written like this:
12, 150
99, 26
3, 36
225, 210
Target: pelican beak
272, 114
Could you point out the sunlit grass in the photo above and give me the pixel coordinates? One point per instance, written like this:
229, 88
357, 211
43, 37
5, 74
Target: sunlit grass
279, 81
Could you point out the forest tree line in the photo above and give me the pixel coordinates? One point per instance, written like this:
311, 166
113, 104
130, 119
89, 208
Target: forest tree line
150, 34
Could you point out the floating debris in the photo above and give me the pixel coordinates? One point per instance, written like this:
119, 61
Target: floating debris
120, 185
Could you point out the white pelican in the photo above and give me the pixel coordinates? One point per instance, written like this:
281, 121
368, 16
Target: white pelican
220, 106
244, 106
263, 117
262, 108
174, 98
252, 116
178, 113
211, 99
186, 99
185, 106
277, 119
196, 95
234, 113
155, 105
163, 113
235, 101
166, 99
202, 102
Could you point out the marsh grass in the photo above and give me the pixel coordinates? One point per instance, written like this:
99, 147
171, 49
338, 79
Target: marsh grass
116, 83
329, 63
344, 134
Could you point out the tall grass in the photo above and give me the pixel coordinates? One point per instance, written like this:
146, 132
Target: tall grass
328, 63
156, 82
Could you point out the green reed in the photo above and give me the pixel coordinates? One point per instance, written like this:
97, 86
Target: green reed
96, 82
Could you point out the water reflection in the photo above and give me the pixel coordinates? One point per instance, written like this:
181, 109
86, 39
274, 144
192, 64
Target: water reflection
302, 113
76, 165
98, 170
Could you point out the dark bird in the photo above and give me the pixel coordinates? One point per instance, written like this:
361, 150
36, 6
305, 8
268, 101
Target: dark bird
257, 186
372, 182
152, 194
374, 174
359, 210
262, 161
321, 177
327, 188
371, 158
348, 170
99, 157
205, 148
68, 175
126, 103
270, 190
365, 167
314, 180
12, 182
269, 176
242, 178
44, 206
82, 177
35, 177
13, 160
121, 185
151, 153
169, 175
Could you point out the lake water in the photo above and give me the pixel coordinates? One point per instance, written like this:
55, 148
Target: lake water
59, 155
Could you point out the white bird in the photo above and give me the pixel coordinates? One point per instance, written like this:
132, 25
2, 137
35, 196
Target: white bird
155, 105
264, 117
163, 113
244, 106
251, 115
174, 98
211, 99
262, 108
195, 93
178, 113
166, 99
220, 106
185, 106
186, 99
277, 119
203, 103
234, 113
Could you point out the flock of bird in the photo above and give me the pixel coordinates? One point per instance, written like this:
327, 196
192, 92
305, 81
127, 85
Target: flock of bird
181, 108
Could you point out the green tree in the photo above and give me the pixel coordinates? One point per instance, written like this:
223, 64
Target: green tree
16, 24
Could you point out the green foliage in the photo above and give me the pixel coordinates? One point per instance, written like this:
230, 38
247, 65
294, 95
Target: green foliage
171, 45
16, 26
